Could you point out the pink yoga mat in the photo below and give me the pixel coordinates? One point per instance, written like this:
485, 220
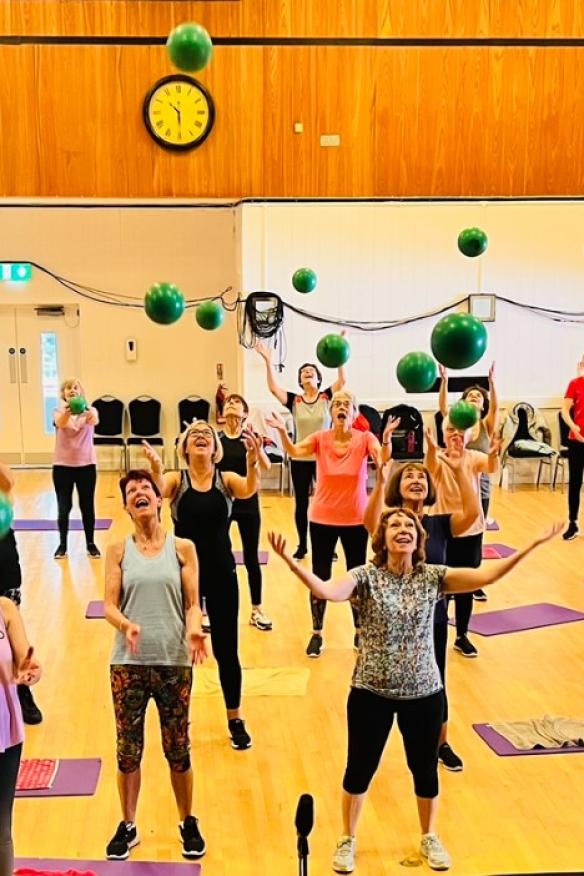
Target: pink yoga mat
526, 617
497, 551
493, 526
95, 610
75, 778
262, 557
43, 525
111, 868
504, 748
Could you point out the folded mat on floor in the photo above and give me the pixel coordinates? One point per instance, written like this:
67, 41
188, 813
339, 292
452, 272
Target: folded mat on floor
284, 681
29, 871
546, 732
36, 774
46, 525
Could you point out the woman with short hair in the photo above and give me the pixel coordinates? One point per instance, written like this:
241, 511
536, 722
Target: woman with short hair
396, 673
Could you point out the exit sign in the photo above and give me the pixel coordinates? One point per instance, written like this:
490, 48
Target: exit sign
16, 272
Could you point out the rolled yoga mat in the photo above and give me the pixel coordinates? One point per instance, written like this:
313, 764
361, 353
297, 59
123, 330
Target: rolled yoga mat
504, 748
110, 868
43, 525
525, 617
74, 778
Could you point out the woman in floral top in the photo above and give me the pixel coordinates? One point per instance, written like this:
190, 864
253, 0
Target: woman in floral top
396, 672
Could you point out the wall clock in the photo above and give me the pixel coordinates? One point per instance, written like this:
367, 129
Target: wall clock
179, 112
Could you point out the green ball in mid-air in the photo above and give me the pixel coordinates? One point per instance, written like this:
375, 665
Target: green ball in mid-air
416, 372
189, 47
164, 303
304, 280
472, 242
333, 351
463, 415
459, 340
210, 315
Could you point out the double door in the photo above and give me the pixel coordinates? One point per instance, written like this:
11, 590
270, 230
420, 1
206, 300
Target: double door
38, 349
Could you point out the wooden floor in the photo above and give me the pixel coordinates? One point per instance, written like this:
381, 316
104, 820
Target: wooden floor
501, 815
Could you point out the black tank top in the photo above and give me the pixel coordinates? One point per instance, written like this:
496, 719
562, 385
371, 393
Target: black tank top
203, 517
10, 575
235, 459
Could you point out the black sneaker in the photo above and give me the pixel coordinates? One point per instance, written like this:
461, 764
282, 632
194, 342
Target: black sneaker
124, 839
449, 759
356, 641
31, 714
193, 844
315, 646
465, 647
240, 738
300, 552
61, 552
93, 551
571, 532
479, 596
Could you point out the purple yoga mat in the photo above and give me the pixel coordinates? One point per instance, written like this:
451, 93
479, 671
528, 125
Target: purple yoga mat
43, 525
526, 617
497, 551
493, 526
504, 748
75, 778
262, 557
95, 610
111, 868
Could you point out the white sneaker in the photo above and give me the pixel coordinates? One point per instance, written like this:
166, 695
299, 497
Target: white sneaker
344, 859
431, 848
260, 620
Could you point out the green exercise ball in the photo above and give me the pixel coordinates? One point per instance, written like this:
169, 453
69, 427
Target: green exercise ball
189, 47
333, 351
304, 280
472, 242
77, 404
6, 514
463, 415
416, 372
210, 315
164, 303
459, 340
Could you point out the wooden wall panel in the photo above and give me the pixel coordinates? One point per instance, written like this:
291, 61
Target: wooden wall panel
412, 121
325, 18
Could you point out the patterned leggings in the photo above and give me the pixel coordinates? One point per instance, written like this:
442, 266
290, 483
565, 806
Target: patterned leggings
170, 688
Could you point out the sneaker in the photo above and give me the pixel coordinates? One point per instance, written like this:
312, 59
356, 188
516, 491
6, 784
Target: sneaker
31, 714
124, 839
356, 641
206, 624
335, 556
300, 552
315, 646
193, 844
344, 857
479, 596
449, 759
432, 849
93, 551
240, 738
571, 532
260, 620
465, 647
61, 552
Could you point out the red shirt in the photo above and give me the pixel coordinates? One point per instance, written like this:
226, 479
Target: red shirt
575, 391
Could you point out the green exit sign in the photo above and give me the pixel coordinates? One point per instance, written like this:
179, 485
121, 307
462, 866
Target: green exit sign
16, 272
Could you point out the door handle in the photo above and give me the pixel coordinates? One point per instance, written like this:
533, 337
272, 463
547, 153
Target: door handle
12, 364
23, 368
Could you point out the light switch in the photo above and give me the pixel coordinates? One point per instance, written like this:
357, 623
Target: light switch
298, 128
330, 140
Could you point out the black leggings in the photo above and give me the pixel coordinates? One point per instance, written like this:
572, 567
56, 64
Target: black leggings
370, 718
222, 600
324, 539
9, 763
303, 476
249, 524
461, 552
65, 477
575, 471
440, 643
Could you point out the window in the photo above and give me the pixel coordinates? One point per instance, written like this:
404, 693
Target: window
49, 378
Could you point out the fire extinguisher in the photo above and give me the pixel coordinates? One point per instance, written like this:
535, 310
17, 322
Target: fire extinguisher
220, 397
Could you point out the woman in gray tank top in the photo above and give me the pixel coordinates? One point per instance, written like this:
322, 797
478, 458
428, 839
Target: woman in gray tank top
310, 414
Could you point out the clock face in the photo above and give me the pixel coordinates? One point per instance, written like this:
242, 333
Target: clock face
179, 112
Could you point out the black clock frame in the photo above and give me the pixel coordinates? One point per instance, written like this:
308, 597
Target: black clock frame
178, 147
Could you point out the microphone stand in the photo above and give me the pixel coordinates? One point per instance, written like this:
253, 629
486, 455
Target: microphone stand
302, 846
